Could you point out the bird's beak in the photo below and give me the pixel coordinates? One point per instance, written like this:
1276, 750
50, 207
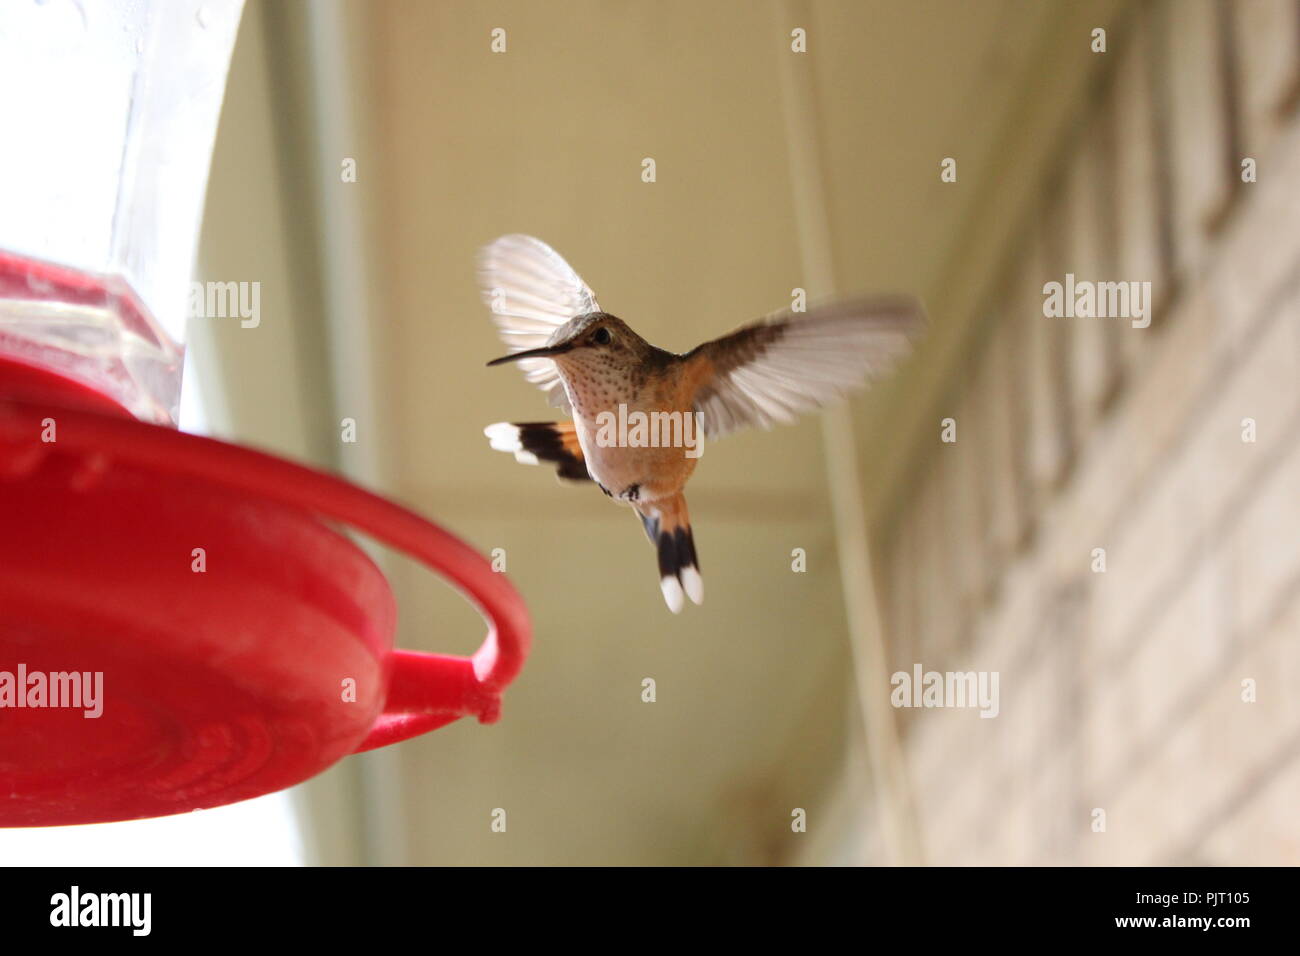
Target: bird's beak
546, 351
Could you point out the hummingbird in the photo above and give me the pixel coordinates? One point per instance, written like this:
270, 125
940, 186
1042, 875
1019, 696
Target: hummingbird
592, 365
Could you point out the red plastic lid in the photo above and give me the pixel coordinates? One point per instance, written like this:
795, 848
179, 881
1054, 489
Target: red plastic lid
180, 629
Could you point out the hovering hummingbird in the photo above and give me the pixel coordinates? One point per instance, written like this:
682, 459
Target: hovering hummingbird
592, 365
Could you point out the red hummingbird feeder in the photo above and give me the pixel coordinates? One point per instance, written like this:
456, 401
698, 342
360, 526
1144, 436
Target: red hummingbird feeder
183, 623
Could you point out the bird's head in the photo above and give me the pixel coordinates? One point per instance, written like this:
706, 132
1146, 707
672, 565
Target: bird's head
592, 341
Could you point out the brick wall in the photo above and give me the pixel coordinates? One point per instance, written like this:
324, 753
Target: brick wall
1122, 690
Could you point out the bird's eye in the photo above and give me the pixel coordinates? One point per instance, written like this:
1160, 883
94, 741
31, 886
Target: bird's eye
602, 336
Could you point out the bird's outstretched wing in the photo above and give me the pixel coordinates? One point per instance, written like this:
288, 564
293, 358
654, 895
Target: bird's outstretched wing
532, 291
792, 362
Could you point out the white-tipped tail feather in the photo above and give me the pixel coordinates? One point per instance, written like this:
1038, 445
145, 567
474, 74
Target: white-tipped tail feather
505, 437
672, 589
532, 443
667, 525
693, 584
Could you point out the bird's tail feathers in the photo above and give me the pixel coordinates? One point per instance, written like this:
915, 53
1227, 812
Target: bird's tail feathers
668, 526
536, 442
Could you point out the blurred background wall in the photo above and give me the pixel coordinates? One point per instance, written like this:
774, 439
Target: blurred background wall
1114, 530
820, 170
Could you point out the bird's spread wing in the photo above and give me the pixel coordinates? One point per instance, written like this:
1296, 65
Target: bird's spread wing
532, 291
793, 362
